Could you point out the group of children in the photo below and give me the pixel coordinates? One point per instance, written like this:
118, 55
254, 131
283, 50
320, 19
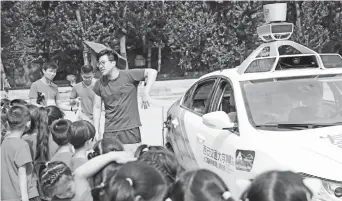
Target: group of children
46, 157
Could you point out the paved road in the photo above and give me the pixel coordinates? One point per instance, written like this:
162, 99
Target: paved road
151, 119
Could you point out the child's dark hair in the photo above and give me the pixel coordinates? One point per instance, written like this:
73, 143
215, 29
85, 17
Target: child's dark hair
101, 179
136, 179
60, 130
164, 161
49, 175
277, 186
105, 146
18, 116
87, 69
39, 125
112, 56
4, 101
145, 148
80, 132
54, 113
50, 64
18, 102
200, 185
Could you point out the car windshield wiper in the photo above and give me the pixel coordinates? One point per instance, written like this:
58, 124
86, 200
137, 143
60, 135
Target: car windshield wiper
298, 126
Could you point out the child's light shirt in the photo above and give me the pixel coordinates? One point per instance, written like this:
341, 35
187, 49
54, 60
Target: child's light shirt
15, 153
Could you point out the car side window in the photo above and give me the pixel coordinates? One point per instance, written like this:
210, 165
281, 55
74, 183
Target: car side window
187, 98
201, 96
225, 101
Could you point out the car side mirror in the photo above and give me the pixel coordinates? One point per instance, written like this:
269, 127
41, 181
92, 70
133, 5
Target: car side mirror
218, 120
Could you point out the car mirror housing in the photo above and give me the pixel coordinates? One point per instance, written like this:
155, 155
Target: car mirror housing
218, 120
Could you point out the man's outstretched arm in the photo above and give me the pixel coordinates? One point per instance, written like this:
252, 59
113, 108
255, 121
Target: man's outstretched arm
97, 115
150, 77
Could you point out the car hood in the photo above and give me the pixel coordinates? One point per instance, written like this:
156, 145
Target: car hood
313, 151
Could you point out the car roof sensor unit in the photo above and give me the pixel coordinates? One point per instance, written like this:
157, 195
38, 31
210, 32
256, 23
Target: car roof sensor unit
276, 33
275, 28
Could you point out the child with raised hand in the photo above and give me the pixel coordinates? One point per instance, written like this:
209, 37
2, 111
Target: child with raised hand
58, 182
60, 129
81, 137
200, 185
16, 160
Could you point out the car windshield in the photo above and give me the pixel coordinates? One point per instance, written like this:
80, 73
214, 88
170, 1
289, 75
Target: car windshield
295, 101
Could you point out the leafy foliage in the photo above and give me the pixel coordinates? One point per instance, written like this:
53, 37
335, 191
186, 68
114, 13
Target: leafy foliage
202, 35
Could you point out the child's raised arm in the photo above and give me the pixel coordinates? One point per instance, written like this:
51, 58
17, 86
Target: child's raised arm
23, 183
96, 164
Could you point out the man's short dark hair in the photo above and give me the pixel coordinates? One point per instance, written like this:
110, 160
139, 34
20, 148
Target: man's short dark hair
112, 56
60, 130
87, 69
50, 64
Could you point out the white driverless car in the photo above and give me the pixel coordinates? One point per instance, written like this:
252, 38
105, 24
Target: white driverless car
281, 109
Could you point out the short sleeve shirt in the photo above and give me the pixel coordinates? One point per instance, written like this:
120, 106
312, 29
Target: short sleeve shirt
31, 140
50, 91
86, 94
77, 162
15, 153
64, 157
120, 97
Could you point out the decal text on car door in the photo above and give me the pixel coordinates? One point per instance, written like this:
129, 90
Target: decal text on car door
217, 159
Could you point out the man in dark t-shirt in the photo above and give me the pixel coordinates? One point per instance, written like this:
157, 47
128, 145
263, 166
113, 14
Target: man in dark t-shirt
118, 90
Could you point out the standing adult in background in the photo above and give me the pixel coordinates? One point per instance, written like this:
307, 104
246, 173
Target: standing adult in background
83, 93
44, 92
118, 89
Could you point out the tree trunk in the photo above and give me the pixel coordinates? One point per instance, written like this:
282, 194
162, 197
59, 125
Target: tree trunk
27, 73
144, 44
298, 18
159, 57
46, 6
123, 39
4, 81
149, 54
85, 50
123, 46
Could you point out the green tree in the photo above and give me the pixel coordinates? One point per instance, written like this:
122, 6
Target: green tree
312, 33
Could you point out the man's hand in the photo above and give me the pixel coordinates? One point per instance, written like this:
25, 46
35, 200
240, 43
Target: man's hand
145, 100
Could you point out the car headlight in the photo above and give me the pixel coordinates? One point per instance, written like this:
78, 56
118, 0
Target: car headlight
333, 188
327, 190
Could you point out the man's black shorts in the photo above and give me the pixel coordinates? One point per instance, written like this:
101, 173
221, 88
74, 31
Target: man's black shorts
130, 136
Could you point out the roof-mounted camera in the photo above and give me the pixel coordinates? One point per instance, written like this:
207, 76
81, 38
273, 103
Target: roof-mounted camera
275, 28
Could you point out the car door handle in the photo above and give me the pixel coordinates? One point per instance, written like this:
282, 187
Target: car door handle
200, 138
